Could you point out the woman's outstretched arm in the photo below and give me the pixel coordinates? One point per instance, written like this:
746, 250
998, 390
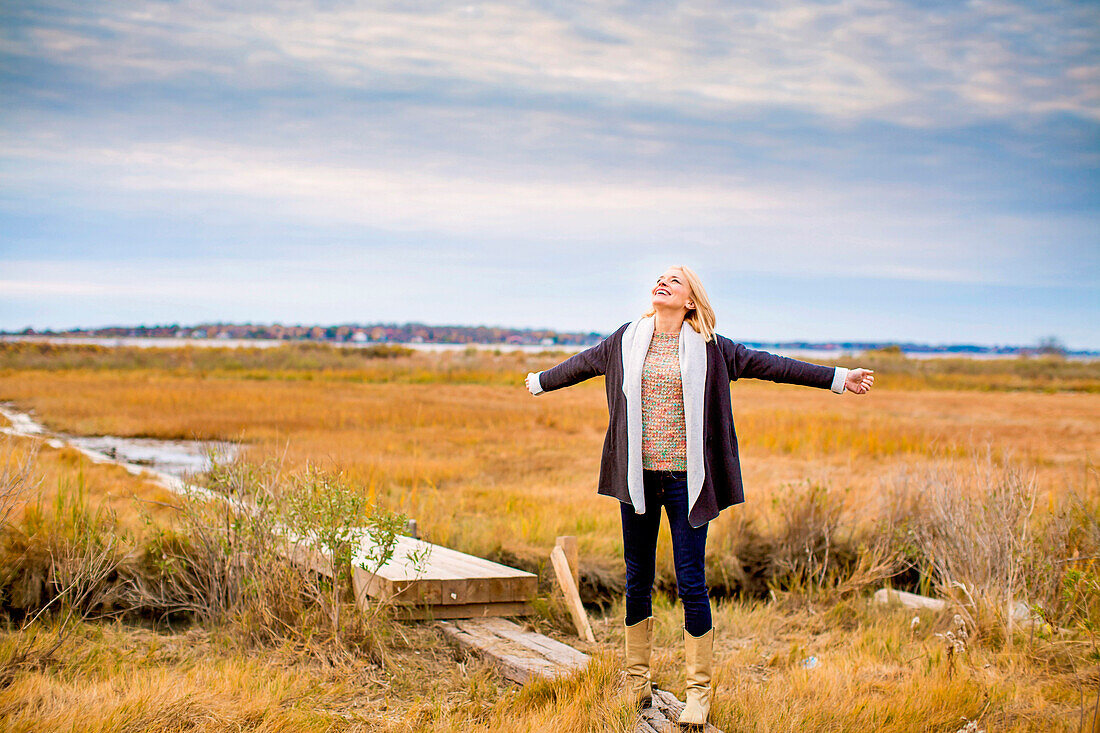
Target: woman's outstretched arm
589, 363
743, 362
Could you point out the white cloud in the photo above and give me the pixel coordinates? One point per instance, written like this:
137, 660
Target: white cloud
24, 288
859, 59
388, 196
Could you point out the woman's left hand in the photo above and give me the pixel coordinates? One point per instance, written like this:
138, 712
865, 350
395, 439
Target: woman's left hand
859, 380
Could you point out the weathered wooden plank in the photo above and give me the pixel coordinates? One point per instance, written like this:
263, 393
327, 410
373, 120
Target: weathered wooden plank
910, 600
446, 578
424, 591
454, 591
572, 597
668, 704
470, 565
656, 717
568, 545
485, 590
514, 661
551, 649
664, 714
400, 566
463, 611
489, 590
443, 562
450, 591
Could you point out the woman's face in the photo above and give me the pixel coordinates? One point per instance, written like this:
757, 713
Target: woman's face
672, 291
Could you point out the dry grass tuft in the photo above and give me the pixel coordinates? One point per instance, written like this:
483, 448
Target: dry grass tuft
976, 537
219, 563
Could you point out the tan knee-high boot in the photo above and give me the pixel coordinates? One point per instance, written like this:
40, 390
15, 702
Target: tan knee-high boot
697, 653
639, 643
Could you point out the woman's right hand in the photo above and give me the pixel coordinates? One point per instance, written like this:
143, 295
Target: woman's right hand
532, 383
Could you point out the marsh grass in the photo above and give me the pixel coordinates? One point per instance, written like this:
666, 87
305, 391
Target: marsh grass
219, 563
56, 564
876, 496
17, 479
875, 669
1042, 373
489, 469
291, 357
266, 661
977, 537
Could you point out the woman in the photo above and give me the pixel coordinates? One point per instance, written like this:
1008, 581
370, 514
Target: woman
670, 442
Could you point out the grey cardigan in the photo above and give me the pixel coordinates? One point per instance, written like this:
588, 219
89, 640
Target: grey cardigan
726, 361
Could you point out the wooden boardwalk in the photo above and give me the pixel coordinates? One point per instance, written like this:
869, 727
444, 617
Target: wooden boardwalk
448, 585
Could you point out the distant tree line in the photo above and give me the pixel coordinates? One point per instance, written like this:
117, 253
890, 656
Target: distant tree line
407, 333
349, 332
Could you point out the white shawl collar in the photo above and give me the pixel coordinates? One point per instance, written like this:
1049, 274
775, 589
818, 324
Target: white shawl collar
693, 377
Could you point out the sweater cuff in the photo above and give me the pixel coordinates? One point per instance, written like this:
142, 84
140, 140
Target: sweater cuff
839, 377
537, 385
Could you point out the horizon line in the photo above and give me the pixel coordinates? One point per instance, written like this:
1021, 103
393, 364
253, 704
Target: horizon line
839, 343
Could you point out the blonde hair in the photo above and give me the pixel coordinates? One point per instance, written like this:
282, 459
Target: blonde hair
701, 317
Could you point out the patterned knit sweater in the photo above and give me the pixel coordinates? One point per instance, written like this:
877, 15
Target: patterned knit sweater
664, 434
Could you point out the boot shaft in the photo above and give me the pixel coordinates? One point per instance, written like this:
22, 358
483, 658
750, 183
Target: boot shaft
697, 655
639, 647
697, 663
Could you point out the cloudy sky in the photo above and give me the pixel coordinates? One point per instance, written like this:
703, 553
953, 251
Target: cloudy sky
864, 169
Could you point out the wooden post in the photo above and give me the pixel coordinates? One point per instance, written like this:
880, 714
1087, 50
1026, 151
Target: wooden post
568, 544
572, 597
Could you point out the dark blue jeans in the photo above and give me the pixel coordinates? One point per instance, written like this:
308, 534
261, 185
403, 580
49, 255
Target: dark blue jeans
666, 489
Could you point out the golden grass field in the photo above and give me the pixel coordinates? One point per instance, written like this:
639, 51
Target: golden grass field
456, 442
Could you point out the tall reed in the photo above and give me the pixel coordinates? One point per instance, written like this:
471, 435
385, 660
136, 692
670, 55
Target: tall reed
979, 538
